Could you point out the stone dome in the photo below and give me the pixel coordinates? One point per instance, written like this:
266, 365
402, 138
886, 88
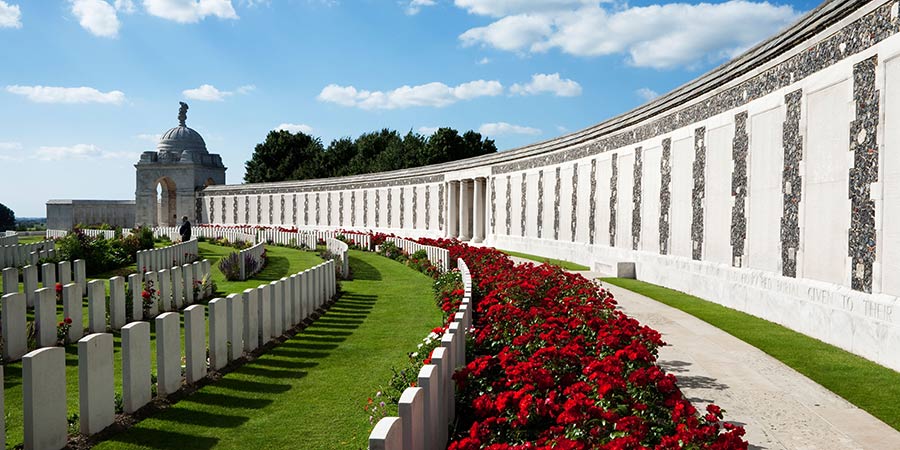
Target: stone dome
180, 139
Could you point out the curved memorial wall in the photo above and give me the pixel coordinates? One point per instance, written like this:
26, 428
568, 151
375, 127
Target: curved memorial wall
770, 185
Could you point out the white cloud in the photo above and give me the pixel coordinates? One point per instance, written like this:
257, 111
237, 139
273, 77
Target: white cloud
498, 128
427, 131
10, 15
125, 6
295, 128
79, 151
431, 94
51, 94
646, 94
209, 93
484, 61
561, 129
190, 11
96, 16
552, 83
10, 146
658, 36
415, 6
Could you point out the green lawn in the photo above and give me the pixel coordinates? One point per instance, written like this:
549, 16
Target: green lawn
867, 385
568, 265
309, 392
283, 261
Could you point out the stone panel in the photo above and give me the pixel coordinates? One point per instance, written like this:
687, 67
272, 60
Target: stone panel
864, 145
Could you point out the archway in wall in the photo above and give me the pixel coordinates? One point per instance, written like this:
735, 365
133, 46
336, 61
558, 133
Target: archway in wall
166, 204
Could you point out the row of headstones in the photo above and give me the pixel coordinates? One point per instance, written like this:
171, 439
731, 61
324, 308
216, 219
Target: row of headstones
340, 249
427, 410
14, 304
231, 234
288, 238
56, 234
9, 239
239, 323
172, 255
440, 257
254, 253
21, 254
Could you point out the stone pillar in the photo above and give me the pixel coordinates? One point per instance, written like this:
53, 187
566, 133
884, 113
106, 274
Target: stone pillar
218, 334
478, 210
465, 210
412, 414
168, 354
44, 398
117, 302
96, 306
135, 365
195, 342
45, 317
453, 209
15, 340
96, 393
251, 319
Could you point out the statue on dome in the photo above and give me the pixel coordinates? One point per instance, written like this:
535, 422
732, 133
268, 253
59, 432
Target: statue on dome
182, 114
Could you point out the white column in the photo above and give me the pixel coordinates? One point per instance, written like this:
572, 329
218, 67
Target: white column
465, 210
452, 217
478, 210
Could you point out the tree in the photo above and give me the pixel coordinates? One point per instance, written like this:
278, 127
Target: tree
7, 218
283, 156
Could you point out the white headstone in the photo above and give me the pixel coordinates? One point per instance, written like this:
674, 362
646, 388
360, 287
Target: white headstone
64, 268
72, 309
195, 342
150, 280
135, 288
218, 334
96, 394
44, 398
286, 306
429, 378
250, 304
15, 340
164, 278
48, 275
449, 341
177, 287
187, 273
30, 279
96, 306
10, 280
305, 307
81, 275
135, 366
412, 413
387, 434
45, 317
295, 300
264, 314
168, 353
117, 302
439, 359
235, 315
277, 300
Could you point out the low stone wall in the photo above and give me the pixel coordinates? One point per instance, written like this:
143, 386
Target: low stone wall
439, 257
427, 410
238, 323
65, 214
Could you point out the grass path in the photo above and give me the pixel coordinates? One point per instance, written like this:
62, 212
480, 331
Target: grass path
567, 265
282, 261
309, 392
869, 386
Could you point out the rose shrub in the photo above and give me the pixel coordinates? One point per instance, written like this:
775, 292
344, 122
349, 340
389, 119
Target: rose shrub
553, 364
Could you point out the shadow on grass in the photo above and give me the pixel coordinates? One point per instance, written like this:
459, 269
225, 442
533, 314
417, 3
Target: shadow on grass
227, 401
363, 270
252, 386
164, 439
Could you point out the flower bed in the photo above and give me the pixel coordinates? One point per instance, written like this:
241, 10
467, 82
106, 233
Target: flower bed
554, 365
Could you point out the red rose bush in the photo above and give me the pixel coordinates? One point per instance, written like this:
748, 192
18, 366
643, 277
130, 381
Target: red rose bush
553, 364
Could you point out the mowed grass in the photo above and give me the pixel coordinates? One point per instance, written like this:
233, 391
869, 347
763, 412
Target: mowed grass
872, 387
309, 392
567, 265
285, 261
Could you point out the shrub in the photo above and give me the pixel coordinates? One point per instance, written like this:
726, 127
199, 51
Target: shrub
230, 266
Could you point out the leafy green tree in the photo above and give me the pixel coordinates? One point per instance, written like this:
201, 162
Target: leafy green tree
284, 156
7, 218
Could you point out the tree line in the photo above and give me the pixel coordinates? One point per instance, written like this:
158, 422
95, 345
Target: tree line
287, 156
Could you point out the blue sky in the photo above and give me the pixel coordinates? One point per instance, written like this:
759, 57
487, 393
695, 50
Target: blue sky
86, 85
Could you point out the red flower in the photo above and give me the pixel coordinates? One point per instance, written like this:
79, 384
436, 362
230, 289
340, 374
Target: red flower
145, 295
59, 288
68, 320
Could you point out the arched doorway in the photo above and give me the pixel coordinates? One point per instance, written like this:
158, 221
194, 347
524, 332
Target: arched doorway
166, 205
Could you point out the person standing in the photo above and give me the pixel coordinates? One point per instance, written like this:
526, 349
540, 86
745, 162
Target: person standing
185, 230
